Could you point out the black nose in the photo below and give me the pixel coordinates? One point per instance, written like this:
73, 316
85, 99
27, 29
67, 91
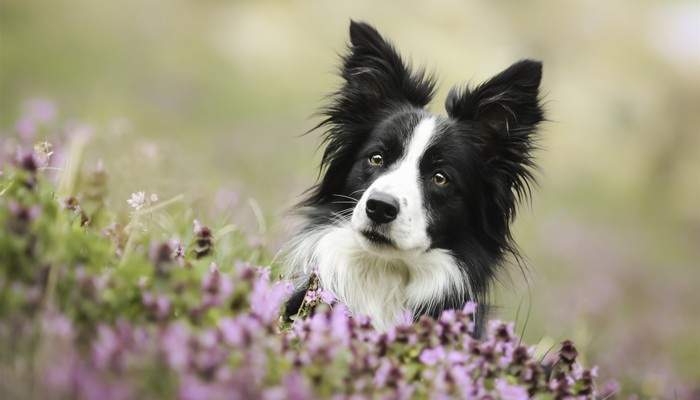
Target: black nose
382, 207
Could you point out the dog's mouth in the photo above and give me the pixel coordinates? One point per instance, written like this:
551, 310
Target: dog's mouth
377, 238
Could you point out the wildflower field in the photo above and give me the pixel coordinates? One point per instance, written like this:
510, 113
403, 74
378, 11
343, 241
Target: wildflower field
97, 305
150, 150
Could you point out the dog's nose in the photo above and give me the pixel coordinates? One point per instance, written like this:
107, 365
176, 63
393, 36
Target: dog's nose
382, 207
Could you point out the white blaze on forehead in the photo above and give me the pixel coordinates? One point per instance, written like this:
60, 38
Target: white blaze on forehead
422, 137
407, 167
403, 180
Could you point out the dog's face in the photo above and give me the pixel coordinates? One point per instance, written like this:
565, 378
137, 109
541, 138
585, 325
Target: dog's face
409, 181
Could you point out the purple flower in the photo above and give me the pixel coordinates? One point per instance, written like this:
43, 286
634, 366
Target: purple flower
106, 347
296, 387
469, 308
216, 286
432, 356
208, 339
26, 129
404, 320
610, 388
87, 384
326, 296
40, 110
24, 213
178, 248
57, 325
341, 325
174, 344
192, 388
382, 375
310, 296
457, 357
159, 306
266, 302
448, 317
462, 378
507, 391
197, 227
42, 154
240, 330
231, 331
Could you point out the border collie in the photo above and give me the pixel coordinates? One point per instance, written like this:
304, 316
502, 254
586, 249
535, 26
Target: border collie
412, 210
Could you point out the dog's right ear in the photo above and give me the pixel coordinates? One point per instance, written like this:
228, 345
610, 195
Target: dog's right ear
376, 80
376, 77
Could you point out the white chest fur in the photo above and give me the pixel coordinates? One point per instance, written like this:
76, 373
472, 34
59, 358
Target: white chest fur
380, 287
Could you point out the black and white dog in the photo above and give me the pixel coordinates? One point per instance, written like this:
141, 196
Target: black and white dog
412, 212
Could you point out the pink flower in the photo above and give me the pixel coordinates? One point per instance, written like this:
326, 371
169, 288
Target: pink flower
192, 388
26, 128
340, 325
432, 356
231, 331
266, 302
469, 308
296, 387
40, 110
382, 375
216, 287
174, 345
457, 357
106, 347
197, 226
507, 391
326, 296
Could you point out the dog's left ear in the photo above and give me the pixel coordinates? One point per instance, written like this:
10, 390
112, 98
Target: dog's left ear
505, 103
508, 109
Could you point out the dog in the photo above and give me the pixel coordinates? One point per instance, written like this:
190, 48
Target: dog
411, 212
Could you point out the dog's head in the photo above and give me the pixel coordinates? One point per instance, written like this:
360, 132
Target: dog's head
416, 181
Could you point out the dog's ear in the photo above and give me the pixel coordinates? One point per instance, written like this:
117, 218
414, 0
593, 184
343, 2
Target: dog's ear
507, 102
507, 110
376, 76
376, 80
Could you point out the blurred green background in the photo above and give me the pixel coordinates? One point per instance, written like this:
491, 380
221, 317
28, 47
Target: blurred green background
211, 98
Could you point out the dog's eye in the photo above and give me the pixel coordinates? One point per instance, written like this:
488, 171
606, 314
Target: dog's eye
440, 178
376, 159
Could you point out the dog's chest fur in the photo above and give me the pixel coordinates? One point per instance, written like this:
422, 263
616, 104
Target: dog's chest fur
386, 289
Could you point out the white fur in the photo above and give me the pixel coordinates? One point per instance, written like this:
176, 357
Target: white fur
381, 287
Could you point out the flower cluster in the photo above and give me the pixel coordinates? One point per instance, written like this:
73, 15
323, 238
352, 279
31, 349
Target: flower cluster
165, 320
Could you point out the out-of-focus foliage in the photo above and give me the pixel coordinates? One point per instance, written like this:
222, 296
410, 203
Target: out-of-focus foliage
206, 100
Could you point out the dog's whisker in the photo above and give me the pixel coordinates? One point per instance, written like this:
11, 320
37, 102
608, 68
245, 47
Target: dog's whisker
359, 191
346, 197
341, 216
